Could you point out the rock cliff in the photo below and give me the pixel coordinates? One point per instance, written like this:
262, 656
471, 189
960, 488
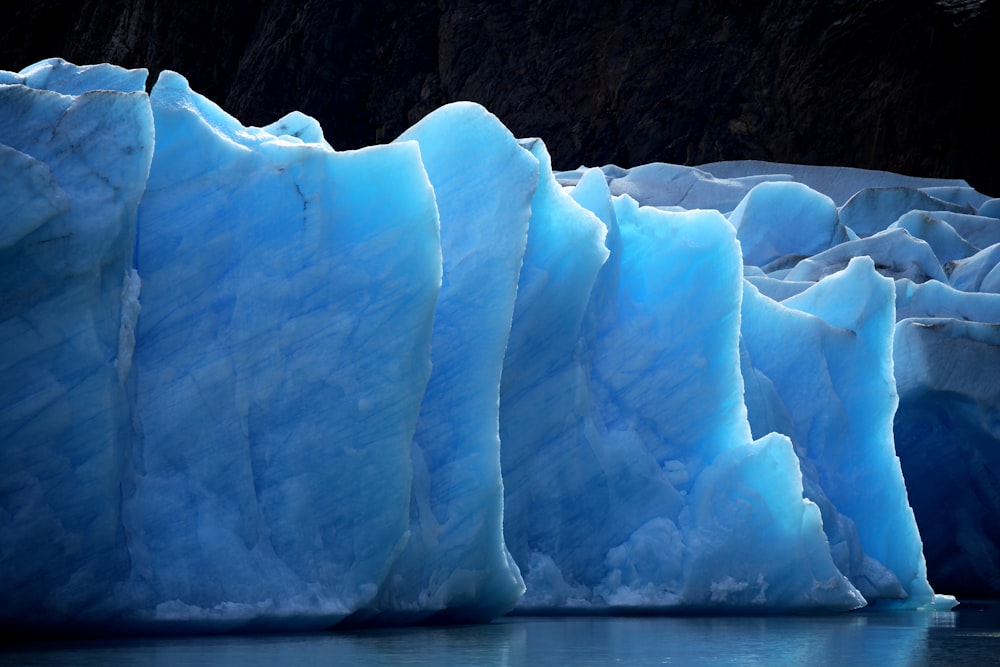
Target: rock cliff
880, 84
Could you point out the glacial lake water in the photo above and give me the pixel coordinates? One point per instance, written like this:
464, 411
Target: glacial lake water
969, 635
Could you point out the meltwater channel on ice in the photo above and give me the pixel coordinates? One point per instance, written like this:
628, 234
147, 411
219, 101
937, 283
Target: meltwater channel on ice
251, 382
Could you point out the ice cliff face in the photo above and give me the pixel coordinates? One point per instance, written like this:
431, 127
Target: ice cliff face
252, 382
75, 167
270, 414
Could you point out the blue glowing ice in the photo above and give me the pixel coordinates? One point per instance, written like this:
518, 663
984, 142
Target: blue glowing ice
253, 382
275, 404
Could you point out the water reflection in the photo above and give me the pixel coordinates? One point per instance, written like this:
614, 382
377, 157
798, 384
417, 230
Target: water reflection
764, 641
968, 636
488, 645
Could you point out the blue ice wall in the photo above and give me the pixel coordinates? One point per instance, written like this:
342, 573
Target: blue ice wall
73, 171
253, 383
276, 402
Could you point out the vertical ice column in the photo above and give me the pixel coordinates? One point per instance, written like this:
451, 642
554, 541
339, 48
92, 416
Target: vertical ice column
282, 354
456, 563
737, 532
631, 479
553, 481
72, 170
819, 369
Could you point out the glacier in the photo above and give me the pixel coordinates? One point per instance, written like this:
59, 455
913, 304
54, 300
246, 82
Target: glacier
254, 383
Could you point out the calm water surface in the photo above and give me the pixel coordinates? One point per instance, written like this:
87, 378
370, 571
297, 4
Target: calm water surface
970, 635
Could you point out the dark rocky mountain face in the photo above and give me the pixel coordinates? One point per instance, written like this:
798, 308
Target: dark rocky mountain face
886, 84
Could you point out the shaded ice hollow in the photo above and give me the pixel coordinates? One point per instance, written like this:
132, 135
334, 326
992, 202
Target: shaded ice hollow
251, 382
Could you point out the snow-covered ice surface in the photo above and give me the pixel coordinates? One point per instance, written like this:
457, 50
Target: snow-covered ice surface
250, 382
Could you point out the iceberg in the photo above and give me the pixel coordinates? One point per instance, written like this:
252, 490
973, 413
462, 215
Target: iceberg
254, 383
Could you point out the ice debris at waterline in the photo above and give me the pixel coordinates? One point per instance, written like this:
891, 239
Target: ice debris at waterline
248, 381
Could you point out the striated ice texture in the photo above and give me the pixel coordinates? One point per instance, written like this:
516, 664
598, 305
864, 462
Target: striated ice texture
455, 564
630, 473
818, 368
253, 383
276, 402
73, 171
